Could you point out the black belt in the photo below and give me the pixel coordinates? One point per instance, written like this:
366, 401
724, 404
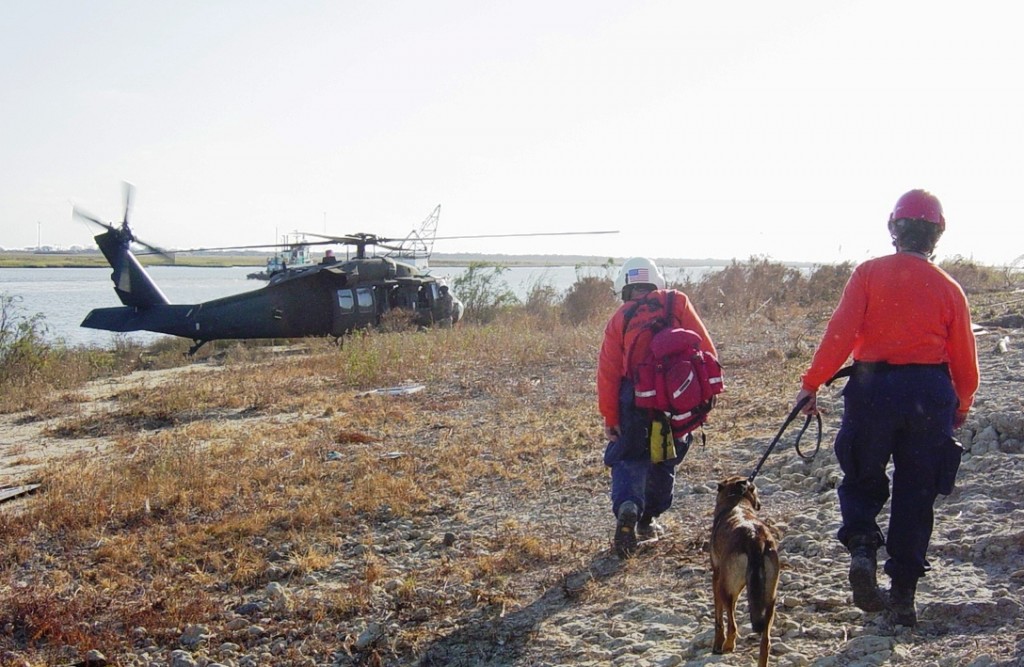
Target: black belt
868, 367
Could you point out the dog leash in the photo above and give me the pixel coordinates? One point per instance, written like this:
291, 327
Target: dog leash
789, 420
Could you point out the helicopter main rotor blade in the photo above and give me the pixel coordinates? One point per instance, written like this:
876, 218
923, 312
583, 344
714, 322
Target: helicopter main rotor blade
501, 236
250, 247
253, 247
353, 239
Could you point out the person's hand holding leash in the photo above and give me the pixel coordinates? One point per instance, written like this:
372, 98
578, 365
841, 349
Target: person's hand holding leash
812, 404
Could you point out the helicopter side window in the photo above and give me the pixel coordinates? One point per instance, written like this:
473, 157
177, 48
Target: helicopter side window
364, 296
346, 300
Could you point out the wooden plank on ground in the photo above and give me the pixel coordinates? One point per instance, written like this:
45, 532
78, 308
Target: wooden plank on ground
14, 491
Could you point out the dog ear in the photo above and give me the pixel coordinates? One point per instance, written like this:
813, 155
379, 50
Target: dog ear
751, 493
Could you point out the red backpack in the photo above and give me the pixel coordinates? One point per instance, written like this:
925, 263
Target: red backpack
674, 376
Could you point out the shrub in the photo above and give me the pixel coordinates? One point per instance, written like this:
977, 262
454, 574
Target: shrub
974, 277
588, 298
483, 291
24, 354
541, 299
825, 284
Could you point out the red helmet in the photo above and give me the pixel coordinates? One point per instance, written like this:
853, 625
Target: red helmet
919, 205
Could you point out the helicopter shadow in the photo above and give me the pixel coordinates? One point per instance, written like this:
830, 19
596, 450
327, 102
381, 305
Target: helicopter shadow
496, 642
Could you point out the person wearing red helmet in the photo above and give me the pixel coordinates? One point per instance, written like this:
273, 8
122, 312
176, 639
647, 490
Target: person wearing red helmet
907, 324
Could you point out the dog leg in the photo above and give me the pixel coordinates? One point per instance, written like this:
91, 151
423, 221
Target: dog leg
731, 630
716, 587
766, 635
771, 595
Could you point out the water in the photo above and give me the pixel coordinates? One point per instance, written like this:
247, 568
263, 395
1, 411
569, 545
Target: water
64, 296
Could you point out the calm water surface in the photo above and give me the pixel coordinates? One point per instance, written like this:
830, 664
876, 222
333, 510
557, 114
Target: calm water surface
64, 296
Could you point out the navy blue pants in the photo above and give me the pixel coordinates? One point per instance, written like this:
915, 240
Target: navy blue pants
903, 414
634, 476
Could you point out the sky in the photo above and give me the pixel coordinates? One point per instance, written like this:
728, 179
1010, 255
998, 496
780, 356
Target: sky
729, 130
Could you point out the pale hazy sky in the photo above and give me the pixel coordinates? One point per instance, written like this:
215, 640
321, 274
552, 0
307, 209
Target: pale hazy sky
726, 130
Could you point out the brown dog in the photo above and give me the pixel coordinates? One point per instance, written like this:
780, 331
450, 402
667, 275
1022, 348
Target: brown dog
744, 554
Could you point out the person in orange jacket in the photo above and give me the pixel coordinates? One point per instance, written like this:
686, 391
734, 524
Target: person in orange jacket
641, 489
907, 324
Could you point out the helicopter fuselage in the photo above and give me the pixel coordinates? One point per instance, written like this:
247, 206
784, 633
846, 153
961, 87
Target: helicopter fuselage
322, 300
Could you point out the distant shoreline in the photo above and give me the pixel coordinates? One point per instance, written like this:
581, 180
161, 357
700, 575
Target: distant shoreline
21, 259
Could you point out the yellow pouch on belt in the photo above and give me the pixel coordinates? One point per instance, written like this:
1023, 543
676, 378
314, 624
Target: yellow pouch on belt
663, 445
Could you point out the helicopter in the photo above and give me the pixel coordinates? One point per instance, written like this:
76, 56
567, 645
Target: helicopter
326, 299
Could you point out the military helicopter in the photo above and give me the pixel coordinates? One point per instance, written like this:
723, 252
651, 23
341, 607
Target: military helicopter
327, 299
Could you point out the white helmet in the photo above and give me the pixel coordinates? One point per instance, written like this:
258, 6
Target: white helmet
638, 270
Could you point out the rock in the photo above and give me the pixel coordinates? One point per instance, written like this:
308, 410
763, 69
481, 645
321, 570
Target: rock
195, 635
277, 596
181, 658
369, 636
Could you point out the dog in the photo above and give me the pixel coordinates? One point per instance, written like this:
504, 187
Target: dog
744, 554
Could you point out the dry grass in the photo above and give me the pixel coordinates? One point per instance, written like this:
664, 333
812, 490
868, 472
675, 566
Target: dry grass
282, 469
216, 483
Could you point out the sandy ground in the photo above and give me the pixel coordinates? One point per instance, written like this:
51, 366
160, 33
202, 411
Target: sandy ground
25, 445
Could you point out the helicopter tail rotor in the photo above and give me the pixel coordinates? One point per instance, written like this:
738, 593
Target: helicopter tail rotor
123, 232
129, 194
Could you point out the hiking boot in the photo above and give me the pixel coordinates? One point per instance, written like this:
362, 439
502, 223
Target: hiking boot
863, 573
901, 604
625, 529
649, 529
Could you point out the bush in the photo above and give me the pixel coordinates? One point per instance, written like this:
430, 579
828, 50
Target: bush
746, 288
23, 351
825, 284
588, 298
541, 299
974, 277
483, 292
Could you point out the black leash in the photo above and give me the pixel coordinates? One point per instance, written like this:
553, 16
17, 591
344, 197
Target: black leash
789, 420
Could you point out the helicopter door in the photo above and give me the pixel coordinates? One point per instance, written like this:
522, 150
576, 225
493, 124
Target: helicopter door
353, 309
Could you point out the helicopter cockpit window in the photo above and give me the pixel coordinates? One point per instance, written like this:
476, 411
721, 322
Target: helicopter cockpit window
346, 300
364, 296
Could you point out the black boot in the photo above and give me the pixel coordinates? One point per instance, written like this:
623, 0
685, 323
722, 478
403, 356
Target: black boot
625, 529
901, 603
863, 578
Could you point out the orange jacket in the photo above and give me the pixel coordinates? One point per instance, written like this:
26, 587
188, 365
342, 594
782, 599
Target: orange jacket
612, 362
901, 309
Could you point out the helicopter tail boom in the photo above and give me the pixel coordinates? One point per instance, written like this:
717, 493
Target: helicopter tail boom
168, 319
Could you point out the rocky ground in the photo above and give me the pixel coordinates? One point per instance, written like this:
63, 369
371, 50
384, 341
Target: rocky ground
654, 610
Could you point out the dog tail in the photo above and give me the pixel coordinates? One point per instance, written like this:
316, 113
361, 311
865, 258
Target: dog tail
757, 585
